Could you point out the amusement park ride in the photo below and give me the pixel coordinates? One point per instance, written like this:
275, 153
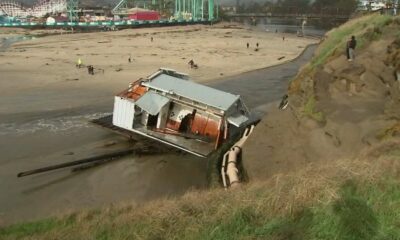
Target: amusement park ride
183, 9
193, 8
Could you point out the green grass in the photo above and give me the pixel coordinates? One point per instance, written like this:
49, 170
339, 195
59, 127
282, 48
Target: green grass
348, 200
310, 110
366, 29
395, 152
36, 228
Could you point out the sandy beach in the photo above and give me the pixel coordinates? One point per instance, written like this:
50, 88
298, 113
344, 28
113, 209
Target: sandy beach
49, 62
46, 103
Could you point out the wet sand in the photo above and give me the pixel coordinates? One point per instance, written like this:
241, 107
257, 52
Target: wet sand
43, 121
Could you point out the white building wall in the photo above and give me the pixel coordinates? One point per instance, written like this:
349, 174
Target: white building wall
163, 117
179, 112
124, 112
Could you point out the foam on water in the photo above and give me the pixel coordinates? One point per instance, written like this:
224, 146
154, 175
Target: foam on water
58, 124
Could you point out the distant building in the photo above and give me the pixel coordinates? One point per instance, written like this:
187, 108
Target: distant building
143, 14
229, 9
368, 5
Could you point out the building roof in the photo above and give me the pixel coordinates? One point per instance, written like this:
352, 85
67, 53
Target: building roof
238, 119
152, 102
191, 90
136, 9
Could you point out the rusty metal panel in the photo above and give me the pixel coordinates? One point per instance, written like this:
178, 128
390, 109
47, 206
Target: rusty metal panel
205, 125
199, 124
212, 128
173, 125
137, 92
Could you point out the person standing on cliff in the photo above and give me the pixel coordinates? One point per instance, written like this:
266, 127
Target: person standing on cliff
351, 46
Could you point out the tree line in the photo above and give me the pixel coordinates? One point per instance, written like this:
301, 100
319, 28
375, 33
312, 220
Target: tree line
300, 6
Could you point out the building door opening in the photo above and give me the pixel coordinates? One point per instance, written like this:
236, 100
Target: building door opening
152, 121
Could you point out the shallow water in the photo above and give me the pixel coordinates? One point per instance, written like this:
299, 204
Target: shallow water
5, 43
58, 124
266, 85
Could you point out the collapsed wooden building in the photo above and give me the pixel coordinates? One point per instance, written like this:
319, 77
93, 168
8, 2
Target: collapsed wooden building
168, 107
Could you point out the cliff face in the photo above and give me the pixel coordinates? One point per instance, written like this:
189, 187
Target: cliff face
337, 109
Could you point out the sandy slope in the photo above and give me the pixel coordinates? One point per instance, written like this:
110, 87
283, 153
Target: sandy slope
359, 102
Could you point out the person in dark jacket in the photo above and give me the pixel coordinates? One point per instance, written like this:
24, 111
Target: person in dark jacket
351, 46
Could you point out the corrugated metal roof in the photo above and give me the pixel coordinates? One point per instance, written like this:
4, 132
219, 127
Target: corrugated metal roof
152, 102
237, 119
191, 90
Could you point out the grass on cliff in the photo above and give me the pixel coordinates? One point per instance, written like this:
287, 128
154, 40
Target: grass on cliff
357, 199
310, 110
365, 29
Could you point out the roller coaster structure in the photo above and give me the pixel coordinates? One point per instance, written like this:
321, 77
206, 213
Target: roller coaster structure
39, 9
187, 10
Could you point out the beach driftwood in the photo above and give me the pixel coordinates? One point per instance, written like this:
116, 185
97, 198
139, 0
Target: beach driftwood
109, 156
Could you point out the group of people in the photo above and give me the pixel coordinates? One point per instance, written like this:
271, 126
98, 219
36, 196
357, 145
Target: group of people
257, 45
90, 68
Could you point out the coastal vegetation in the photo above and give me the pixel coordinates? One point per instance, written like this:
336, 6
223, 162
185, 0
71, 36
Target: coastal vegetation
345, 199
299, 6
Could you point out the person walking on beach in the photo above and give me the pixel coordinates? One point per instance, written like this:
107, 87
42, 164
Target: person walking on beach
79, 63
351, 45
257, 45
90, 70
151, 39
192, 64
130, 59
248, 45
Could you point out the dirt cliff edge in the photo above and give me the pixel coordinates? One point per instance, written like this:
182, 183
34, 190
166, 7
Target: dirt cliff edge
337, 108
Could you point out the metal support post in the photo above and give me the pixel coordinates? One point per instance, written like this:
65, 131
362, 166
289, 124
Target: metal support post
210, 10
217, 9
72, 9
202, 9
